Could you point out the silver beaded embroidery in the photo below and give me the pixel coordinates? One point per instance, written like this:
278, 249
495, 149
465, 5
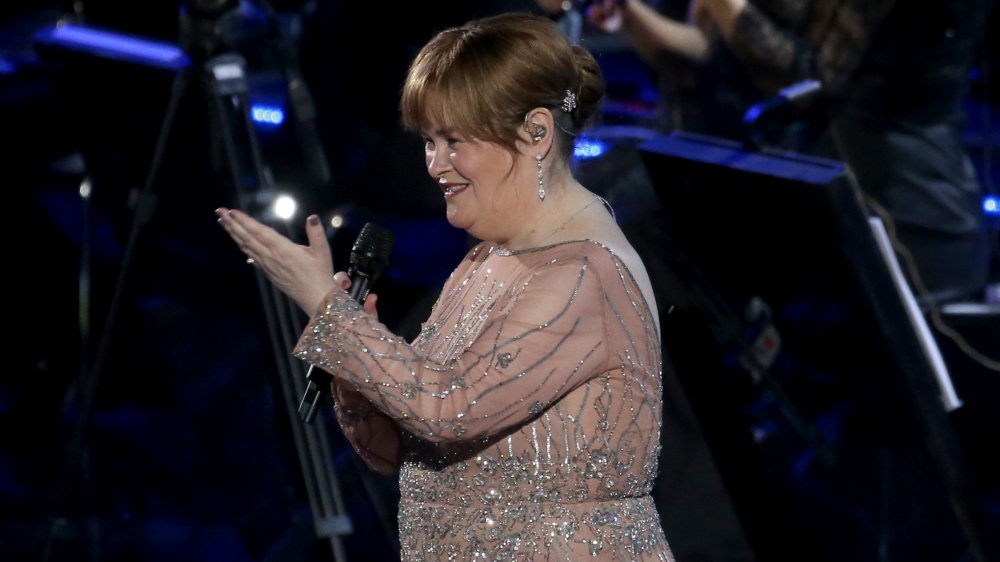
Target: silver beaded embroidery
525, 434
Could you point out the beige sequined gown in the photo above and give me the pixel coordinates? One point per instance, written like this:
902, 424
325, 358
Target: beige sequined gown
528, 407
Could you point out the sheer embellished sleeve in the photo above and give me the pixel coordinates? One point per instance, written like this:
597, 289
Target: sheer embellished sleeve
372, 434
519, 346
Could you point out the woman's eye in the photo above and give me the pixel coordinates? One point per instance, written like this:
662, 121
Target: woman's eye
428, 145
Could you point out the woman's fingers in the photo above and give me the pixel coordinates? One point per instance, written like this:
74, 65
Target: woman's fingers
316, 234
342, 280
370, 302
302, 272
234, 230
242, 229
258, 241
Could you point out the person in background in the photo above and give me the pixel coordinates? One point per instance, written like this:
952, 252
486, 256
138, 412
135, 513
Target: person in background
525, 417
892, 76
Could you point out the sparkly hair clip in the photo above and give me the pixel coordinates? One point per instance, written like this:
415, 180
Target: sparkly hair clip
569, 102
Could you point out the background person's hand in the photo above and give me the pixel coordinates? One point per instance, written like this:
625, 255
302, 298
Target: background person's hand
303, 273
551, 7
606, 15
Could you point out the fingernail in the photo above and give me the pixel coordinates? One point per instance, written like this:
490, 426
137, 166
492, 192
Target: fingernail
313, 220
218, 212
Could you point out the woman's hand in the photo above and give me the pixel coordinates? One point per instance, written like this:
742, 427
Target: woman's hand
350, 403
304, 273
343, 280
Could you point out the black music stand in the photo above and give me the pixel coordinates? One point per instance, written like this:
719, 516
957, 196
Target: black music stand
816, 386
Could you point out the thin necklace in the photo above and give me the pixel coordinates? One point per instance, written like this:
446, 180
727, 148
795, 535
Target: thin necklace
502, 251
568, 220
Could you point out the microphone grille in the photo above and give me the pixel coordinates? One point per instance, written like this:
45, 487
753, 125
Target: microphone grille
374, 242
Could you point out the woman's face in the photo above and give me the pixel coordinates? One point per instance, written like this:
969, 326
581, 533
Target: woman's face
478, 183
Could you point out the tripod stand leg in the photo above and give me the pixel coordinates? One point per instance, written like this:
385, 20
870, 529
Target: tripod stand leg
311, 441
231, 112
82, 396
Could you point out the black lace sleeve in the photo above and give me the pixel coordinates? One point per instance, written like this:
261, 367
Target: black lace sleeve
785, 41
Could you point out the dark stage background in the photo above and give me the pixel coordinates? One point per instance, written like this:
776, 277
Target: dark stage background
188, 452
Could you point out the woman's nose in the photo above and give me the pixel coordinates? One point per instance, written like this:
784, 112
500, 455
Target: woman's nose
437, 161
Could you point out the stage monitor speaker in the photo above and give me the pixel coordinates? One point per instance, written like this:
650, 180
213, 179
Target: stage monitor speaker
810, 369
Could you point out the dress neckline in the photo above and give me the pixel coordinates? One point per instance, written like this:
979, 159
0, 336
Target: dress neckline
502, 251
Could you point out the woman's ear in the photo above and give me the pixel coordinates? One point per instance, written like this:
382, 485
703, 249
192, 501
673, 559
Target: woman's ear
537, 132
538, 127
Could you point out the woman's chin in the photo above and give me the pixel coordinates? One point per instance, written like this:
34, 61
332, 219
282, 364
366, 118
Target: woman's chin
455, 218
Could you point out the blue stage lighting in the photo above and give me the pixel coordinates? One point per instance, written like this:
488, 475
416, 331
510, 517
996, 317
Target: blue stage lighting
588, 148
115, 45
991, 205
267, 115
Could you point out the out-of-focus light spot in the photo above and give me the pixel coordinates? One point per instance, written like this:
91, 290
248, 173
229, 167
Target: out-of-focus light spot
85, 188
991, 205
7, 67
284, 207
267, 115
585, 149
337, 221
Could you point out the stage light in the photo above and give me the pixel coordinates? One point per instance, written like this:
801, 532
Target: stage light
267, 115
337, 221
991, 205
284, 207
114, 45
586, 149
86, 187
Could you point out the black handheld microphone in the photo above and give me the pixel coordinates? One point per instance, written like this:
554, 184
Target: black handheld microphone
369, 256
